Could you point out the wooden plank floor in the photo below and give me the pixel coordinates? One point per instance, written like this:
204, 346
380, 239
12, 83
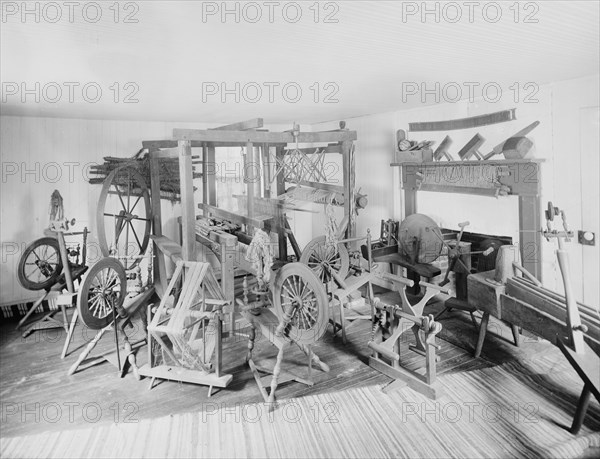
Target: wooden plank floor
37, 395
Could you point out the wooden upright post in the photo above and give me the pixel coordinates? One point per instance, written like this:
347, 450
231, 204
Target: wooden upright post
349, 184
188, 217
160, 271
266, 161
282, 237
530, 235
205, 174
249, 177
210, 168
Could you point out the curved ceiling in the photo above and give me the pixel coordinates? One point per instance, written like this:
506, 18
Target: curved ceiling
195, 61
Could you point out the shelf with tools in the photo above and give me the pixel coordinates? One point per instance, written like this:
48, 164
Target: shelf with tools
494, 178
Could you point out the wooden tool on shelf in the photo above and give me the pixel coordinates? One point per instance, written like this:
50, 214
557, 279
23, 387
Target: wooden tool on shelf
442, 150
465, 123
515, 147
471, 148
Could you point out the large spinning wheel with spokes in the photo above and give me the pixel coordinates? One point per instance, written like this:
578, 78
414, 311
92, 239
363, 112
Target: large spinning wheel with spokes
103, 289
323, 258
301, 303
123, 216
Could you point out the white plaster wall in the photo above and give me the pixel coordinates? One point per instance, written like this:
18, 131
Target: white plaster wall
557, 107
39, 155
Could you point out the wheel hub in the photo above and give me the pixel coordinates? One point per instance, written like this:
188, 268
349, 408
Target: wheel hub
44, 267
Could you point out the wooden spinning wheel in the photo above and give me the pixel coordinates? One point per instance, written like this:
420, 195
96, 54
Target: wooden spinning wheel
40, 265
420, 238
123, 216
300, 303
102, 289
322, 258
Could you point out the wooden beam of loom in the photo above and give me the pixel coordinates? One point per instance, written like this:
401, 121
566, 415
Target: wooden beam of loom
323, 186
309, 194
464, 123
257, 221
261, 137
272, 205
332, 148
156, 145
254, 123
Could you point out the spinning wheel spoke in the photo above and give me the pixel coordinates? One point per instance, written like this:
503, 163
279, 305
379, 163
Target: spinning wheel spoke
120, 197
291, 295
135, 234
135, 203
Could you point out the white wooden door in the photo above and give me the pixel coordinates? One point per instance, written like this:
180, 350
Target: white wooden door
589, 120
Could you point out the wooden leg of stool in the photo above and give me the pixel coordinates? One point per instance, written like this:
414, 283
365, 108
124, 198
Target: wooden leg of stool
516, 334
473, 318
482, 330
63, 311
87, 351
314, 357
343, 319
34, 306
70, 334
276, 373
582, 406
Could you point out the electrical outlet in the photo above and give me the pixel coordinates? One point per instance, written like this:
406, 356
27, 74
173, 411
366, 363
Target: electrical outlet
586, 237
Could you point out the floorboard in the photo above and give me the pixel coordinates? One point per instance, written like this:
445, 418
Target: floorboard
37, 395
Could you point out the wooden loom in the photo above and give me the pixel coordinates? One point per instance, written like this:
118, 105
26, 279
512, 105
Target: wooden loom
188, 333
258, 146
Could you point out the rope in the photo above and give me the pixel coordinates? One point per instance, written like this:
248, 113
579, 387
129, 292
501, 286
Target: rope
331, 226
56, 207
259, 254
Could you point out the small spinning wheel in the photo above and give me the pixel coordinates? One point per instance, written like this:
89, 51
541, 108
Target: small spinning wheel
102, 289
322, 258
301, 304
420, 238
124, 216
40, 265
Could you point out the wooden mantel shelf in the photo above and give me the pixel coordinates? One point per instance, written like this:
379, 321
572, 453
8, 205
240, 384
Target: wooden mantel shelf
492, 162
494, 178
